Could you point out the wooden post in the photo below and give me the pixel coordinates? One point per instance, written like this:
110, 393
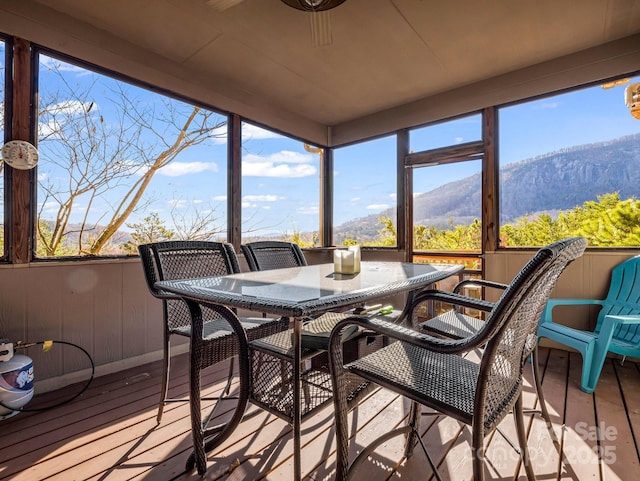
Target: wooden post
21, 181
490, 197
404, 210
234, 181
326, 197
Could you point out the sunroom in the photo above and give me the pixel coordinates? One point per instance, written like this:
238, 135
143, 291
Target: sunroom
461, 132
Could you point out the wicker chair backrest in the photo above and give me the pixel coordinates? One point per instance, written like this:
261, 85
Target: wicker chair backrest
174, 260
266, 255
513, 324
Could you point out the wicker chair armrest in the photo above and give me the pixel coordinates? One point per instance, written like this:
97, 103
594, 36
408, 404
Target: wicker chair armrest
422, 339
454, 299
400, 333
478, 282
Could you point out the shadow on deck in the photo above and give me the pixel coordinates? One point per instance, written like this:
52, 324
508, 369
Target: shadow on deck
110, 433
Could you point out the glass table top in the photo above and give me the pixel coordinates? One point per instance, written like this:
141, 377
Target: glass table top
310, 286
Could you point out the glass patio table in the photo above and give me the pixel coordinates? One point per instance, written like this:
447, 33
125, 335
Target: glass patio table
297, 292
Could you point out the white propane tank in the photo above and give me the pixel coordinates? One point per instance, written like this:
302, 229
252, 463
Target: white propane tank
16, 384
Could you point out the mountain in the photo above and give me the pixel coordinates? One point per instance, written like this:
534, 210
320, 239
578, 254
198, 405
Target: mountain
548, 183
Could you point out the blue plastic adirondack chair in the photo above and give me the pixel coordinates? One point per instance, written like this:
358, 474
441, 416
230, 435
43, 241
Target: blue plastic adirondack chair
617, 328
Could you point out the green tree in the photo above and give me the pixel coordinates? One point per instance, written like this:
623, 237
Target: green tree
151, 229
605, 222
387, 235
614, 222
45, 232
310, 240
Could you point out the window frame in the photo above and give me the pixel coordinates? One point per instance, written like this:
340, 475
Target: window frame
18, 227
7, 127
497, 165
37, 50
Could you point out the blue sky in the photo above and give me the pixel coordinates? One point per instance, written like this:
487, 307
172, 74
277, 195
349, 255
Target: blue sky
281, 179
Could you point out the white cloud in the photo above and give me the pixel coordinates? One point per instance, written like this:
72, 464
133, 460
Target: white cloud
458, 140
249, 132
378, 206
176, 169
72, 107
65, 109
283, 164
253, 132
47, 129
220, 198
178, 203
50, 207
282, 157
416, 194
393, 196
260, 201
262, 198
355, 199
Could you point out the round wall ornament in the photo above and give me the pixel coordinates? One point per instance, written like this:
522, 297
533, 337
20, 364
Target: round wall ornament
20, 154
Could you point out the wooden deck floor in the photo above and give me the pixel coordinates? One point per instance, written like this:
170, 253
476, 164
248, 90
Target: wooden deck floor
109, 433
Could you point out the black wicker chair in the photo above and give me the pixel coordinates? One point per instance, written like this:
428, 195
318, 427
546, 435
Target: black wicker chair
222, 336
266, 255
430, 371
455, 324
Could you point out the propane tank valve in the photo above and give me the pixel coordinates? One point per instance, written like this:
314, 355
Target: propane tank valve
6, 350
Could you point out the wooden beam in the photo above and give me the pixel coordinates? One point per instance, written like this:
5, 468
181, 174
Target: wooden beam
326, 198
234, 181
490, 196
21, 181
446, 155
402, 149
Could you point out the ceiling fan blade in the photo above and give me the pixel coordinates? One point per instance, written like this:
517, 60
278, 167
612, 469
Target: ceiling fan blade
222, 5
320, 28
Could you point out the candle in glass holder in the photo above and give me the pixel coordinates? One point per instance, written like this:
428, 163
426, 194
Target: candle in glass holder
356, 258
344, 262
337, 261
348, 262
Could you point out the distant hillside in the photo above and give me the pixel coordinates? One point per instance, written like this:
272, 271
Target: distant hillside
548, 183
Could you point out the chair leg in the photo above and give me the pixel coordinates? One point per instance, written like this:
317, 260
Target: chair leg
522, 439
199, 457
594, 367
164, 388
537, 379
413, 422
227, 388
477, 445
340, 410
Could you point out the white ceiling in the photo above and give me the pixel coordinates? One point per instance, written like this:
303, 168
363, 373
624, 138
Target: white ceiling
256, 58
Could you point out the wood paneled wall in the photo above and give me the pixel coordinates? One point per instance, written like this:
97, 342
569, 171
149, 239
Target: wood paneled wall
104, 307
586, 278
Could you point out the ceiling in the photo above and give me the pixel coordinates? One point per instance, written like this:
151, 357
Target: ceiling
389, 58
